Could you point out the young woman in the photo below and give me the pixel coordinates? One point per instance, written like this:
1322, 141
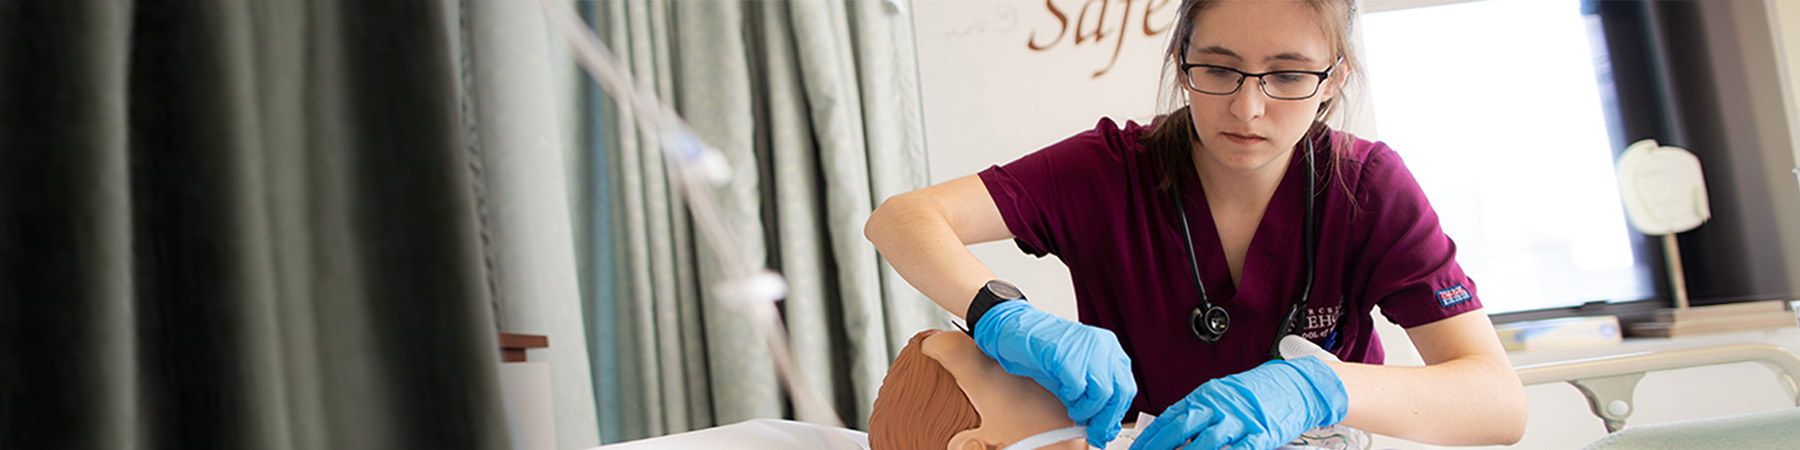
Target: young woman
1198, 240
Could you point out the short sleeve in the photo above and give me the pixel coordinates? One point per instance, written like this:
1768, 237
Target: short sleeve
1414, 275
1044, 195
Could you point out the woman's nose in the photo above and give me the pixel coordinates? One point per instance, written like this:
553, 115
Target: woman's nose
1248, 102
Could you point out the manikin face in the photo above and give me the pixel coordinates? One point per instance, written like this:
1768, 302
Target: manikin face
1012, 407
1247, 130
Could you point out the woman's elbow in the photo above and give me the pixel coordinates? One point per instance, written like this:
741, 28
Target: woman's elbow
1507, 428
881, 220
1495, 412
1509, 415
1516, 422
1495, 421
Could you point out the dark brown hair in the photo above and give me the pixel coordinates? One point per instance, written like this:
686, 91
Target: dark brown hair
1171, 138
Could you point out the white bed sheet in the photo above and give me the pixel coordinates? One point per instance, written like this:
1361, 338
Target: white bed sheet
775, 434
755, 434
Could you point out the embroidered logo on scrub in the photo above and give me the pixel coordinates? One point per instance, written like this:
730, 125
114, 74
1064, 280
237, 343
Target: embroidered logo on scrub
1453, 295
1321, 321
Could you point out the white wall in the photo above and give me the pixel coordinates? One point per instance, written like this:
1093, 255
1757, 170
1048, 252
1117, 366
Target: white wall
989, 98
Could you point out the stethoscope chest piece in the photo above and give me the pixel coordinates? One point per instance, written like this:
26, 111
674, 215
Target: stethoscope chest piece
1209, 322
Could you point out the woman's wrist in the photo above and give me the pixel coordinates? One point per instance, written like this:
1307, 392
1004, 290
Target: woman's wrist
991, 294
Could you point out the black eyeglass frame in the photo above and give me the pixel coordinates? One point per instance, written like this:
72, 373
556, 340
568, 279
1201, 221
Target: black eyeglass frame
1323, 75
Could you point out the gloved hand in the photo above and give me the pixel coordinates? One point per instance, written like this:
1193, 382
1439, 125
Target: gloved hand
1262, 408
1082, 365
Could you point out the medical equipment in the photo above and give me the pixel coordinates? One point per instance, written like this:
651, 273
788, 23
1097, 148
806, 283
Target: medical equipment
1663, 188
1047, 438
1209, 322
1335, 437
1608, 382
1664, 193
698, 167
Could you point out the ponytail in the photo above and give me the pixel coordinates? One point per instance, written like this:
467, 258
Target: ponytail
1170, 144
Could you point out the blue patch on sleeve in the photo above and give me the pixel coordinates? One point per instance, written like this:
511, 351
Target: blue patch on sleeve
1453, 296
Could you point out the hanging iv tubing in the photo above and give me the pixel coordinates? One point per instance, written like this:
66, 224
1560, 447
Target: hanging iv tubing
698, 167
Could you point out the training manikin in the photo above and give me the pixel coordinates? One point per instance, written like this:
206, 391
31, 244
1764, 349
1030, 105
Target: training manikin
942, 392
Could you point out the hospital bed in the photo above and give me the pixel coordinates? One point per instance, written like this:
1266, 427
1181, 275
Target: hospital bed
756, 434
1609, 382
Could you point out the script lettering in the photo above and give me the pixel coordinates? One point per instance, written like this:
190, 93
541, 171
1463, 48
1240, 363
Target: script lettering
1062, 28
1099, 31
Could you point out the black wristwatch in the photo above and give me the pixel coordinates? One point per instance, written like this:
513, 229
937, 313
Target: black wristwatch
993, 293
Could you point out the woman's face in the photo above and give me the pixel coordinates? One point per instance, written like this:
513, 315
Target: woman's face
1247, 130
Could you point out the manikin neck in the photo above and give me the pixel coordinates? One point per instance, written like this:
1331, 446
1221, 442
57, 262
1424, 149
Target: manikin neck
1048, 438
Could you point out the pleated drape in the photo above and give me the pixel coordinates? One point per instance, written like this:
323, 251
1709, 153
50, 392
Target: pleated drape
517, 140
237, 225
816, 106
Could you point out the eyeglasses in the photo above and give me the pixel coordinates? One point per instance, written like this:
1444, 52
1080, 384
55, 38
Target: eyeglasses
1279, 84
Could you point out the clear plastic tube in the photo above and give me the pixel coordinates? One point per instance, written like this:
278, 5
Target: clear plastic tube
697, 166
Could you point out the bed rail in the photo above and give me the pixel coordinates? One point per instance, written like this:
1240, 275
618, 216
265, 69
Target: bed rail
1608, 382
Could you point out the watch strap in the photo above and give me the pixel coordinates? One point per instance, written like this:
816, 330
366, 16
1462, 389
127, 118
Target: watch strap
985, 299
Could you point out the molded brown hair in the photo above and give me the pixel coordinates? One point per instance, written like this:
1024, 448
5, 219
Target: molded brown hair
1171, 137
919, 405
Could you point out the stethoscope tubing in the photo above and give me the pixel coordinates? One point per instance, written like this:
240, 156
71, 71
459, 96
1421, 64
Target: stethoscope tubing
1206, 309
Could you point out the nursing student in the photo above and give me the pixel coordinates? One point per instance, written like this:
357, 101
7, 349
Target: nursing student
1196, 239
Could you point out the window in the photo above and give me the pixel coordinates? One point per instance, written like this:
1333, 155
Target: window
1506, 113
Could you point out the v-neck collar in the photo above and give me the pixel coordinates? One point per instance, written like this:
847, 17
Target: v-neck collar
1272, 239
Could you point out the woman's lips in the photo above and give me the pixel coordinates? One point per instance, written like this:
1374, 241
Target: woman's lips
1244, 139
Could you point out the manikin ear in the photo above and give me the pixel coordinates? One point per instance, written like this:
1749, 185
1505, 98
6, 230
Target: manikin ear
972, 439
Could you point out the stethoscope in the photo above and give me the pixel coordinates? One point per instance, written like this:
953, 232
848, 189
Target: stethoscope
1209, 322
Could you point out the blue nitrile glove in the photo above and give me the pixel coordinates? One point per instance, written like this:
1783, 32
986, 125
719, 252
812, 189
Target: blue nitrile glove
1262, 408
1082, 365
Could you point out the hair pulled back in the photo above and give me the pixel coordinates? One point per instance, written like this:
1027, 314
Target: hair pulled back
1171, 138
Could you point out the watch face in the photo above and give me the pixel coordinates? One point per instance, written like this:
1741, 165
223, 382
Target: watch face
1004, 290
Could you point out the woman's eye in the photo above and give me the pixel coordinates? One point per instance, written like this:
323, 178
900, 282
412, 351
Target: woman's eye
1289, 78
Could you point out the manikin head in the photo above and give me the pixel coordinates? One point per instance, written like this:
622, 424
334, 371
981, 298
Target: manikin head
942, 392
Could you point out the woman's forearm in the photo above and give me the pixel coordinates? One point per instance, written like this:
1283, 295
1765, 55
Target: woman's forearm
913, 233
1475, 400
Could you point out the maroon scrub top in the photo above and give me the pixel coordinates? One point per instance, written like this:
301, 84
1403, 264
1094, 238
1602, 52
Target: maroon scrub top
1091, 200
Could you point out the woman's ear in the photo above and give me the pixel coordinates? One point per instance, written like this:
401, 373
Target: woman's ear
1335, 84
972, 439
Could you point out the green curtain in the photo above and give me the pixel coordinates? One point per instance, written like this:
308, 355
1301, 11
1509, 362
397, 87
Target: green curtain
238, 225
515, 84
815, 103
